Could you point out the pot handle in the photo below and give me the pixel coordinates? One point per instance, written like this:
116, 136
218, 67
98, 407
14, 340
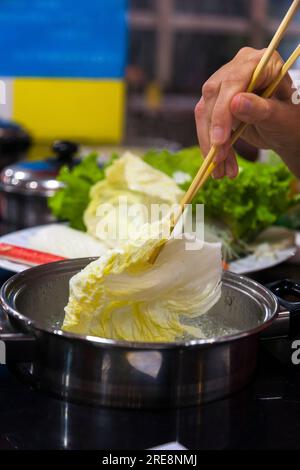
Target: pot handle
288, 295
18, 347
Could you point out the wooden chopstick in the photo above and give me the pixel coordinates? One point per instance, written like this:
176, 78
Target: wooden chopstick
208, 165
268, 93
274, 43
196, 184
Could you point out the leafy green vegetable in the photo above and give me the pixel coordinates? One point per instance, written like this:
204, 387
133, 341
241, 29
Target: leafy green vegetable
70, 202
186, 161
248, 204
245, 206
252, 202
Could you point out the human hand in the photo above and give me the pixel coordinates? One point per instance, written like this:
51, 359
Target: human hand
272, 123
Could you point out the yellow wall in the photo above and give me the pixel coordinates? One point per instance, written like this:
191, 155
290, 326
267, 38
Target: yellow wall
78, 109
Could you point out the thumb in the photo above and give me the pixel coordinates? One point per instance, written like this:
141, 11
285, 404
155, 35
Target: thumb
252, 109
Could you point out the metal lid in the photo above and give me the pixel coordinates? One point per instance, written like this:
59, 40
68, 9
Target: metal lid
37, 177
13, 138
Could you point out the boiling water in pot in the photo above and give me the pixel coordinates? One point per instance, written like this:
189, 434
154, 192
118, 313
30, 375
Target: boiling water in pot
44, 300
210, 326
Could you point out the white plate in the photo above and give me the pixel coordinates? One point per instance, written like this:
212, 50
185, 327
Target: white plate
19, 238
245, 265
252, 264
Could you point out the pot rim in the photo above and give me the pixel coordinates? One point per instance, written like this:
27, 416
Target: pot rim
249, 287
9, 189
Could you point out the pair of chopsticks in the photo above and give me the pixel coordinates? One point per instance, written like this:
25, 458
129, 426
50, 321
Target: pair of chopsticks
268, 93
209, 165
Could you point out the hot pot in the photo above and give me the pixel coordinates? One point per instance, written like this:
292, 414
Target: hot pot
131, 374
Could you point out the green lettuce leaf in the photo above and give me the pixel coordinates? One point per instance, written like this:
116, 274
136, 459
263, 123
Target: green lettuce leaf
186, 161
70, 202
246, 205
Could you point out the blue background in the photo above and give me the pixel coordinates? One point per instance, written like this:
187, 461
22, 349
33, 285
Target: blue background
63, 38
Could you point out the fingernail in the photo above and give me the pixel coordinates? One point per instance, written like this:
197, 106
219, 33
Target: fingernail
245, 105
220, 157
217, 136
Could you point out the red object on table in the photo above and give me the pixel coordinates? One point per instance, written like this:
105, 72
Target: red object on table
225, 266
26, 256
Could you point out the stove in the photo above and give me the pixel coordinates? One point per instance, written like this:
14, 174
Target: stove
265, 415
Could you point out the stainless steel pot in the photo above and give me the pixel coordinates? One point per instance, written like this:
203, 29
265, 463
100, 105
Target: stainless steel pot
26, 186
124, 374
